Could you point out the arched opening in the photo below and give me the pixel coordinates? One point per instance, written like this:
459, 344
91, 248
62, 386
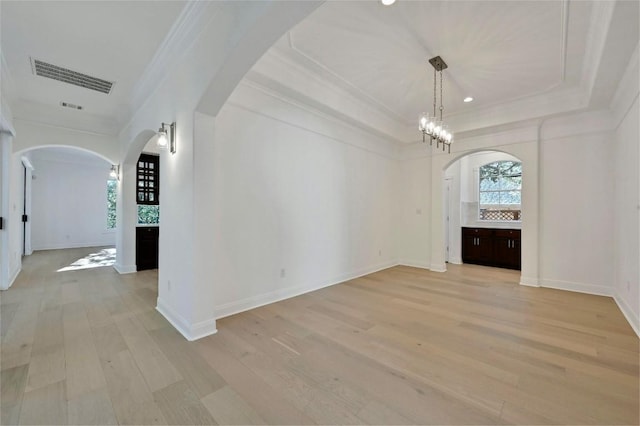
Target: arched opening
127, 203
480, 195
66, 197
526, 151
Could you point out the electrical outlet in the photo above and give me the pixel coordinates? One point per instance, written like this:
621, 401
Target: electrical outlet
283, 273
169, 284
418, 211
379, 252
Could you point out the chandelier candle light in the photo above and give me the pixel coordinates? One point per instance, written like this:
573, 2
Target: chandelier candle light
433, 126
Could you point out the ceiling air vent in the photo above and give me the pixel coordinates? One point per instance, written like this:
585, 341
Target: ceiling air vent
72, 106
65, 75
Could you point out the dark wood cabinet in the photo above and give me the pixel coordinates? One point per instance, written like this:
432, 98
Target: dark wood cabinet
491, 247
147, 247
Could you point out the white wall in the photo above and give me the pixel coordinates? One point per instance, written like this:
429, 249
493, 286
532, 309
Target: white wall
626, 208
414, 226
14, 220
301, 201
577, 214
627, 194
69, 201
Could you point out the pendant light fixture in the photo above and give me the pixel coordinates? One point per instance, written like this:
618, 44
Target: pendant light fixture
433, 126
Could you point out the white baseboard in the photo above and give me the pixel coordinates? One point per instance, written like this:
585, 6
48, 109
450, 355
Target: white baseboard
413, 264
59, 246
632, 318
190, 332
599, 290
456, 260
529, 281
12, 278
438, 267
125, 269
253, 302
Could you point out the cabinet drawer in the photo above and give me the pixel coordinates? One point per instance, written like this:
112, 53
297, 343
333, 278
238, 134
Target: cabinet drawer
508, 233
477, 232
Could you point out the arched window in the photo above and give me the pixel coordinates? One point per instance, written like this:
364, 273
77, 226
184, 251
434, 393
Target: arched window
500, 191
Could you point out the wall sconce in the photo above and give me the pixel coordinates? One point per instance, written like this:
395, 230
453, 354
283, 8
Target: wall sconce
167, 137
115, 171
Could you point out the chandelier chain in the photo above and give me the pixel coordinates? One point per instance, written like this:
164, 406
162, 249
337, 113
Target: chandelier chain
441, 106
434, 92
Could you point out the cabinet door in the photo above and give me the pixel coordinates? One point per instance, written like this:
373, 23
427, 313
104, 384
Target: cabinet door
147, 248
507, 248
469, 249
503, 253
485, 248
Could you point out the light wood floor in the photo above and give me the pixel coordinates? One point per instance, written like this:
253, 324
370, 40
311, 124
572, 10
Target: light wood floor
401, 346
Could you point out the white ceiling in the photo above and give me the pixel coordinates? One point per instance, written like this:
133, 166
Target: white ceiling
497, 52
111, 40
68, 155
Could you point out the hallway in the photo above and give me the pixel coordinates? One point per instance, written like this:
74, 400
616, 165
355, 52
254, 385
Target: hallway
401, 346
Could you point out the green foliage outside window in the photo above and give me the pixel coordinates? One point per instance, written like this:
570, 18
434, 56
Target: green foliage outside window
112, 195
148, 214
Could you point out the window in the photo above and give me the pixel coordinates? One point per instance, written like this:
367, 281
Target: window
148, 215
500, 191
148, 189
112, 194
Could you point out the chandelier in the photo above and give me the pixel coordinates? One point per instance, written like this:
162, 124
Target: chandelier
433, 126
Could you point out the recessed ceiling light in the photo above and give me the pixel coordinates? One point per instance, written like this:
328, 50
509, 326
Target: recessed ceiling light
387, 2
468, 99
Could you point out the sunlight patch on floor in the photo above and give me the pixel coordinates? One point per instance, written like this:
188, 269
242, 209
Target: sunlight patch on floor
105, 257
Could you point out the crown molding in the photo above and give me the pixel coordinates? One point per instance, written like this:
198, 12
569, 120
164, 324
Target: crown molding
295, 80
310, 63
628, 88
185, 30
6, 78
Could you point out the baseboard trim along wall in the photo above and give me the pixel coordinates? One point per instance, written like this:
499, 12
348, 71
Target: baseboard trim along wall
632, 319
598, 290
70, 246
12, 279
438, 267
125, 269
253, 302
529, 281
413, 264
190, 332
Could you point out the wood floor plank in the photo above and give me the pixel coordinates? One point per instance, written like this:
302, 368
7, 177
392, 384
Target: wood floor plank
267, 402
182, 406
45, 406
12, 385
92, 408
130, 396
154, 365
228, 408
83, 369
199, 375
47, 367
17, 344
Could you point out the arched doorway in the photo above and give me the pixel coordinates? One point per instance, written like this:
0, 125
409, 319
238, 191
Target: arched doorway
58, 199
524, 149
469, 199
